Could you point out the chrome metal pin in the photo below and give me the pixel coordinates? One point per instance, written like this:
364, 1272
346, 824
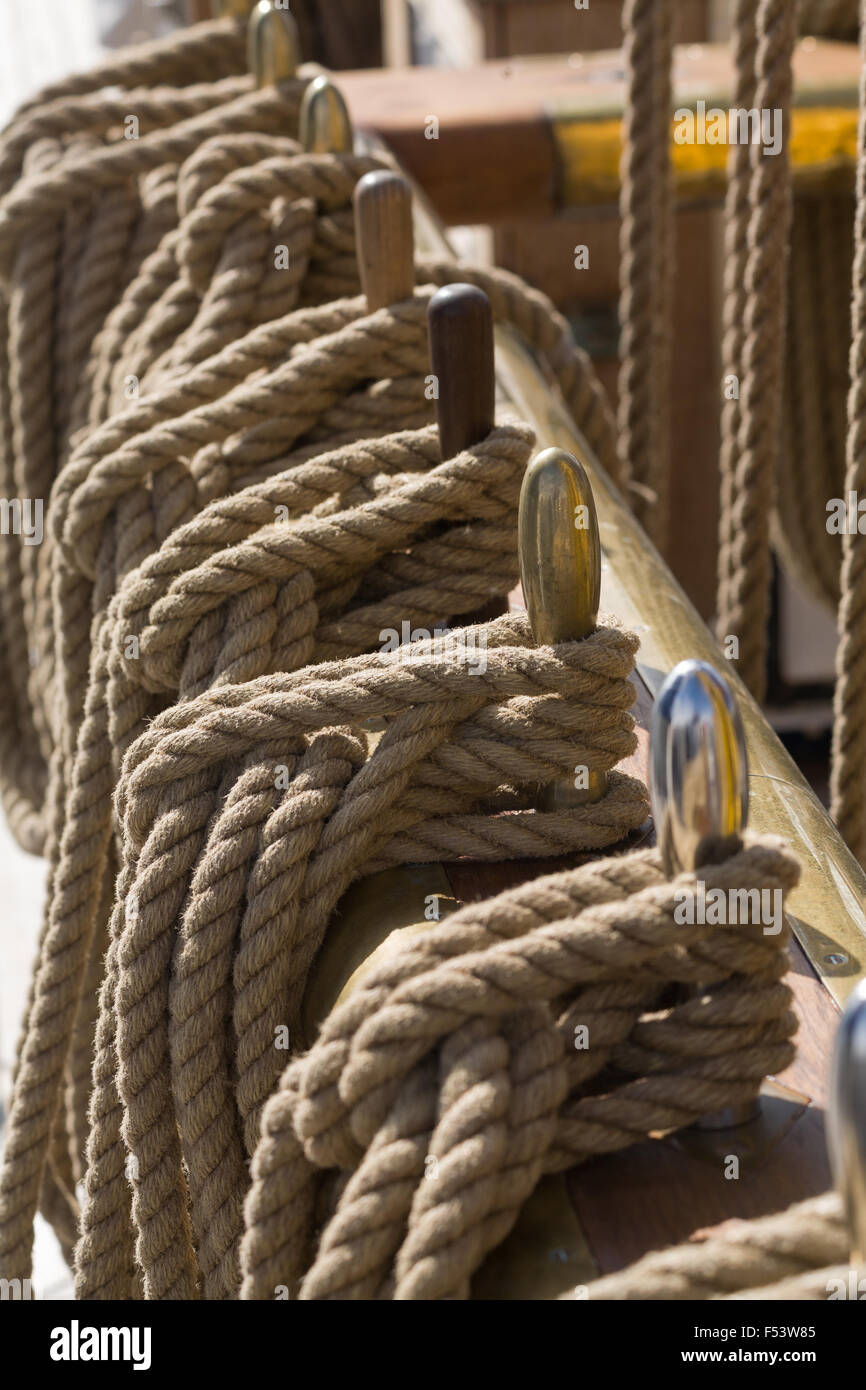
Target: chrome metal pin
846, 1119
698, 766
699, 788
560, 571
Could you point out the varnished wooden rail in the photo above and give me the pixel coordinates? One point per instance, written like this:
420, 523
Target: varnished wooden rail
538, 136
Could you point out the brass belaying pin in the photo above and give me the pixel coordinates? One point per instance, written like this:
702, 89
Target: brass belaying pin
324, 125
699, 787
273, 44
560, 571
385, 239
846, 1119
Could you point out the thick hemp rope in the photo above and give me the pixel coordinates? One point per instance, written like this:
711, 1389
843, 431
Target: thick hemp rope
97, 255
848, 770
460, 1047
571, 370
96, 231
792, 1254
758, 220
245, 288
262, 418
646, 264
75, 811
173, 588
549, 332
232, 853
158, 216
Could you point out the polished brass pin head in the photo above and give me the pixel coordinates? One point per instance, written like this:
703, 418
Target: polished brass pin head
560, 571
560, 553
324, 124
698, 766
273, 45
846, 1118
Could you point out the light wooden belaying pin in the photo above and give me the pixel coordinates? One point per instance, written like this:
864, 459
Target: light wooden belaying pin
846, 1119
273, 45
699, 788
560, 571
698, 766
324, 126
385, 238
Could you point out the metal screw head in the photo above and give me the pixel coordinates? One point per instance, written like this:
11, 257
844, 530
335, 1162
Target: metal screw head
698, 766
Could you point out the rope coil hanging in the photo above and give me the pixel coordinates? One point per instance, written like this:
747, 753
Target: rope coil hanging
212, 881
646, 265
116, 552
94, 211
453, 737
485, 1006
758, 211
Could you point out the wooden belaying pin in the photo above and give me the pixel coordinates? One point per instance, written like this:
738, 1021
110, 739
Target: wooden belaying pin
324, 126
385, 238
699, 788
460, 327
846, 1119
560, 572
273, 45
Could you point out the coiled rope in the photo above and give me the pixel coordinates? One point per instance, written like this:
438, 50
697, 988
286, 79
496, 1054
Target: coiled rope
461, 1047
271, 499
197, 305
238, 858
75, 229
